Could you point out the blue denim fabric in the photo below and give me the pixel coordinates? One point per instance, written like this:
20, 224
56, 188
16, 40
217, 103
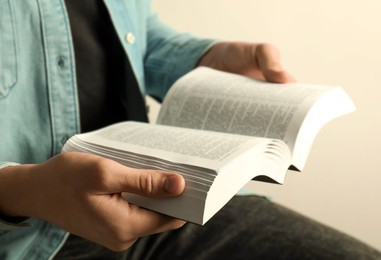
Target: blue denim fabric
38, 92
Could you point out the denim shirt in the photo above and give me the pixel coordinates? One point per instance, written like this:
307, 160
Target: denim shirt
38, 92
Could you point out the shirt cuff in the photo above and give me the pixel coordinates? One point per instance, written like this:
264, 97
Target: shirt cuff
7, 164
7, 226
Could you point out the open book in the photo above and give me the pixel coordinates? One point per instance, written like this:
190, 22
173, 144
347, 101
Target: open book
219, 130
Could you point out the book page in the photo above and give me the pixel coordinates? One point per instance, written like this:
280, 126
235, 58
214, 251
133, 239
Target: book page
198, 148
218, 101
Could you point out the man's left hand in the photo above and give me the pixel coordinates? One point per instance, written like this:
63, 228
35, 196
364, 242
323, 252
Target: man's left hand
259, 61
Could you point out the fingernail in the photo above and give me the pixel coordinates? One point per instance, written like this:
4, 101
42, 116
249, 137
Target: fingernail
171, 184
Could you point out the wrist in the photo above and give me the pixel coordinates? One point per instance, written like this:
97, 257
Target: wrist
13, 192
208, 59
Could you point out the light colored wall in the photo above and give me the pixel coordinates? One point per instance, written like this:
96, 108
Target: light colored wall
329, 42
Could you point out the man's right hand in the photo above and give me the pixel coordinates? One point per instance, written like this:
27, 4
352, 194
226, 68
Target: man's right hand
82, 194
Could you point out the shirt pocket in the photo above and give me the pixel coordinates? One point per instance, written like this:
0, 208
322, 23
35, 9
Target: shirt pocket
8, 49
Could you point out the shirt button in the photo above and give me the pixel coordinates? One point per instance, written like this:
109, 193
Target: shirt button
130, 38
64, 139
61, 62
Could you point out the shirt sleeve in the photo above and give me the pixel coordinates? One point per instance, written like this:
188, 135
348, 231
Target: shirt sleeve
169, 55
8, 224
11, 224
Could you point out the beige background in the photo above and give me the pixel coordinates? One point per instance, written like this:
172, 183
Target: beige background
330, 42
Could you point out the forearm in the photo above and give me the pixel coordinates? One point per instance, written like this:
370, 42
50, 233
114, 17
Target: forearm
14, 191
169, 55
11, 216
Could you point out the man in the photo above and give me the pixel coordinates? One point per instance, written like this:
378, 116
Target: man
74, 66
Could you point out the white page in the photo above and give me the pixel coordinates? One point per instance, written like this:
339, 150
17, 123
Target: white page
204, 149
218, 101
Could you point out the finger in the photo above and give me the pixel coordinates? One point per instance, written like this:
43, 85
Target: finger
120, 223
278, 76
147, 222
149, 183
268, 59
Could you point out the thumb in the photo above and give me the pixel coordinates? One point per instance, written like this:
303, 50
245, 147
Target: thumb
268, 59
150, 183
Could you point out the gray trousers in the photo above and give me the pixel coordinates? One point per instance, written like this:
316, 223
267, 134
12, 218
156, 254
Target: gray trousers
248, 227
